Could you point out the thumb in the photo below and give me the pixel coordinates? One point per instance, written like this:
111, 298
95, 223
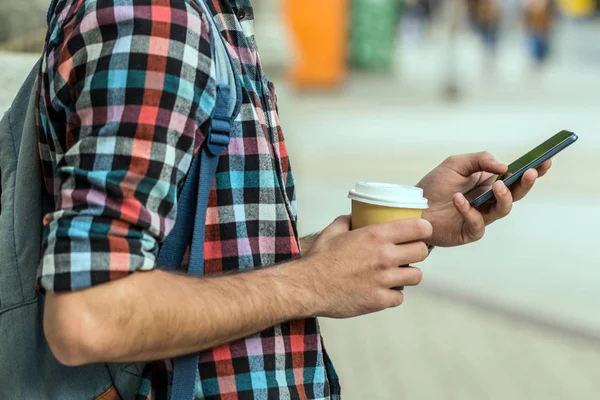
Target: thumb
468, 164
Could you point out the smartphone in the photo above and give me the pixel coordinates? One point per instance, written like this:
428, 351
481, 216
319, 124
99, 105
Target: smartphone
536, 157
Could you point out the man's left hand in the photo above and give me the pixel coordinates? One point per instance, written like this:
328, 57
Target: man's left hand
454, 221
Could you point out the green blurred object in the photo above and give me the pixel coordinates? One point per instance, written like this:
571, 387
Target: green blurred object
373, 33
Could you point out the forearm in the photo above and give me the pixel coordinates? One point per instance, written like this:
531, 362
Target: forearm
157, 314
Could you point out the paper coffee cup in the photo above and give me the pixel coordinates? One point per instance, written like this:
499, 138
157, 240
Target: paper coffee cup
378, 203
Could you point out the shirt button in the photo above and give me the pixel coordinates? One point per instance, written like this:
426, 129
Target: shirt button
241, 14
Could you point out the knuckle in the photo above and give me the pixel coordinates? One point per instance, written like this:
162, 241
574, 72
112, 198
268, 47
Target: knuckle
386, 258
340, 219
486, 155
450, 160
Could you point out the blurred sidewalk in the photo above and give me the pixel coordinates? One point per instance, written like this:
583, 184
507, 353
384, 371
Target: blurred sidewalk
434, 349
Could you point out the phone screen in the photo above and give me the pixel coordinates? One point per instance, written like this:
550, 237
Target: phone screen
519, 166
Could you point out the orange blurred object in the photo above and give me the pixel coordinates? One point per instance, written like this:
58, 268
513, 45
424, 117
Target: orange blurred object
320, 34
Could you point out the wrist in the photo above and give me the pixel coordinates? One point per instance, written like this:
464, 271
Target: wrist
295, 286
307, 242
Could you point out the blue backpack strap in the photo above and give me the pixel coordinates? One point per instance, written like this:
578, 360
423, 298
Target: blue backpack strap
190, 223
204, 166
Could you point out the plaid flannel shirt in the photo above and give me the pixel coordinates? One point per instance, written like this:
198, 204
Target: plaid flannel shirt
126, 92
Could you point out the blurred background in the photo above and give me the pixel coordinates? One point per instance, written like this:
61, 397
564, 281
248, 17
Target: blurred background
384, 90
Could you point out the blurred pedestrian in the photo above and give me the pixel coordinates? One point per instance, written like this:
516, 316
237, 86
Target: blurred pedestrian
413, 21
452, 19
539, 21
485, 16
416, 18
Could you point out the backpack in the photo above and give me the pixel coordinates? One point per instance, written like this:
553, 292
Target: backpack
28, 369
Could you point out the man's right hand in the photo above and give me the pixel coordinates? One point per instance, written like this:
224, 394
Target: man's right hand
353, 273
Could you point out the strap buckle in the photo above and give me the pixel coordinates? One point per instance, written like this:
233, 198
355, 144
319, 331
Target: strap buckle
218, 136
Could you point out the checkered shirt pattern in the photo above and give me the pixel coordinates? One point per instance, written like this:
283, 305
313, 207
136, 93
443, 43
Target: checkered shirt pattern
126, 91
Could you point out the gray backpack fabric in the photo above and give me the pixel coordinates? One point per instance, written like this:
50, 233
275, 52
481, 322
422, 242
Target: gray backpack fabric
28, 369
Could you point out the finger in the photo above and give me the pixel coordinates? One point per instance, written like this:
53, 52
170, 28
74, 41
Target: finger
468, 164
409, 253
403, 276
544, 168
504, 203
342, 224
404, 231
475, 223
393, 298
524, 186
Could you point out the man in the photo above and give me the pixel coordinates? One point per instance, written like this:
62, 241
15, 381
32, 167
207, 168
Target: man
126, 95
451, 19
485, 15
539, 21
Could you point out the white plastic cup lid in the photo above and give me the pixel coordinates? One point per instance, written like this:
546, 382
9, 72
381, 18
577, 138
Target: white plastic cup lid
389, 195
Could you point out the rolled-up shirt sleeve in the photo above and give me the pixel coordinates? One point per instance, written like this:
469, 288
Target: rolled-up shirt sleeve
130, 89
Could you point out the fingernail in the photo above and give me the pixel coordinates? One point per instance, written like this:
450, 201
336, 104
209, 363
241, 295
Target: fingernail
504, 189
460, 200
